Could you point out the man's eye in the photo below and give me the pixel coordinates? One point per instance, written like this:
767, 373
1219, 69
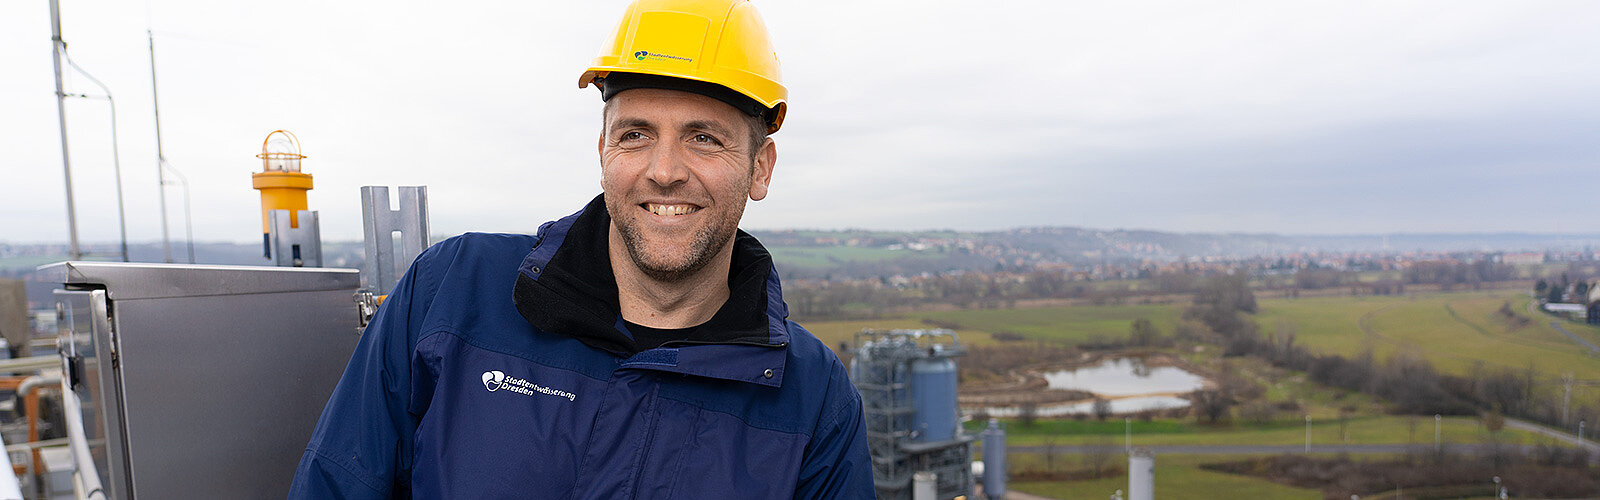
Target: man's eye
632, 136
703, 138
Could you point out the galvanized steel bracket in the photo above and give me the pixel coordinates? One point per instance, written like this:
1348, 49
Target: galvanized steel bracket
383, 265
294, 246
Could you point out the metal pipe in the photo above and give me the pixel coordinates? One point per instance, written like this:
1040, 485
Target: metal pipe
28, 364
57, 49
36, 381
30, 390
188, 220
47, 443
87, 477
116, 157
161, 155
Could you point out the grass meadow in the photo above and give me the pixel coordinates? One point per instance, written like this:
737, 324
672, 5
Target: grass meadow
1176, 476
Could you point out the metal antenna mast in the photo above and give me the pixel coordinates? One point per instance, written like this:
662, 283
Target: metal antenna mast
116, 157
163, 166
59, 47
161, 155
58, 54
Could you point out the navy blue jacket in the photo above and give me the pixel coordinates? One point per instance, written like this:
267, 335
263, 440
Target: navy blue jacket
493, 371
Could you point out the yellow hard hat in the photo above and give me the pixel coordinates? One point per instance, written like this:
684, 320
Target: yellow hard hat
661, 43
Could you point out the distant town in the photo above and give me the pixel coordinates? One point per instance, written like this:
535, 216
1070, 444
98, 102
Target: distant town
826, 269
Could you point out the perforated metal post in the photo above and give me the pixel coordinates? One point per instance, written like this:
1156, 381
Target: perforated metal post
295, 246
384, 265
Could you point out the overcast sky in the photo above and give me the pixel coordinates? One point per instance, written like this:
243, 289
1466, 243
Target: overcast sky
1272, 116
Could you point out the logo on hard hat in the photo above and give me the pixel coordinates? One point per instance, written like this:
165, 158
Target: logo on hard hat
492, 380
657, 56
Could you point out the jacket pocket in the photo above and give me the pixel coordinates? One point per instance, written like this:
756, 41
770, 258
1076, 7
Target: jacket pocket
699, 453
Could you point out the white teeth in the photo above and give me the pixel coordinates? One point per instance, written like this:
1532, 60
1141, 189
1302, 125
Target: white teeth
671, 209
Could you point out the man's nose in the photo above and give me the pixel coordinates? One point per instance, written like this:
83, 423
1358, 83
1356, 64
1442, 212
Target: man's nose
667, 167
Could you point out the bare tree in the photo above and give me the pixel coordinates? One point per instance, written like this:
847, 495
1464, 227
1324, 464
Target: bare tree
1211, 404
1050, 454
1028, 413
1494, 421
1143, 333
1098, 455
1102, 409
1344, 421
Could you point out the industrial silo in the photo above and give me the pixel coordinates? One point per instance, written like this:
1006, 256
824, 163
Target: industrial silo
933, 394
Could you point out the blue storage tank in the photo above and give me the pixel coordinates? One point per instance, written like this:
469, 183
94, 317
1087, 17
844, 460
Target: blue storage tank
933, 394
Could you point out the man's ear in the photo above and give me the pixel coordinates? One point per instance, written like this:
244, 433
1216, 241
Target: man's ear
761, 172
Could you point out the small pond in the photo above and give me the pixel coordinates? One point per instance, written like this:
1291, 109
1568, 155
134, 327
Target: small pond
1119, 377
1129, 384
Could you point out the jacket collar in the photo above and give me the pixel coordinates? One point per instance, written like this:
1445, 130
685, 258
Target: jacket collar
565, 287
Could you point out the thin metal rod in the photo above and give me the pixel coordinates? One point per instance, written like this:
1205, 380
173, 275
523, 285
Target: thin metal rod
116, 157
161, 155
188, 219
57, 49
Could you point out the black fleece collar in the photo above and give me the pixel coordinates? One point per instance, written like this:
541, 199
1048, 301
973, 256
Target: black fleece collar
569, 289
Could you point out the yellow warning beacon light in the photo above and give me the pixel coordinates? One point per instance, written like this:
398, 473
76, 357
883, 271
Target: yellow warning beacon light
282, 185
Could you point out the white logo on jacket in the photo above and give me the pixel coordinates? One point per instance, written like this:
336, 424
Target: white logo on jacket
494, 380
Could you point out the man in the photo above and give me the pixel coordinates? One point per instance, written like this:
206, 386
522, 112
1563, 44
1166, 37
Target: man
635, 349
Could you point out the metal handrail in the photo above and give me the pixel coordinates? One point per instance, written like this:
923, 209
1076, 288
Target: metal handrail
31, 445
29, 364
87, 478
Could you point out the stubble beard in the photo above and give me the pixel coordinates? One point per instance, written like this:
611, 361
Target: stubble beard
702, 249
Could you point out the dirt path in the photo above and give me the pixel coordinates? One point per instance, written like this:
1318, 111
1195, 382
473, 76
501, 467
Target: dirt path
1580, 340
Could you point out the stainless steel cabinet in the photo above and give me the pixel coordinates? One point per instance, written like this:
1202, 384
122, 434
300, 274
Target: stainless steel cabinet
202, 381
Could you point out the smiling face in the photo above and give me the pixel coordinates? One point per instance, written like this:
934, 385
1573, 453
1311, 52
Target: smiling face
677, 169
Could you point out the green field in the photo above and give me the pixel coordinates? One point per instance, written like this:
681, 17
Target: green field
1369, 429
1177, 476
1068, 325
1454, 331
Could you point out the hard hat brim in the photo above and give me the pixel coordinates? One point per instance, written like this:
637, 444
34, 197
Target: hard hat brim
771, 110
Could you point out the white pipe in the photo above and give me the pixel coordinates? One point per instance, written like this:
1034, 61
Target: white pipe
87, 479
